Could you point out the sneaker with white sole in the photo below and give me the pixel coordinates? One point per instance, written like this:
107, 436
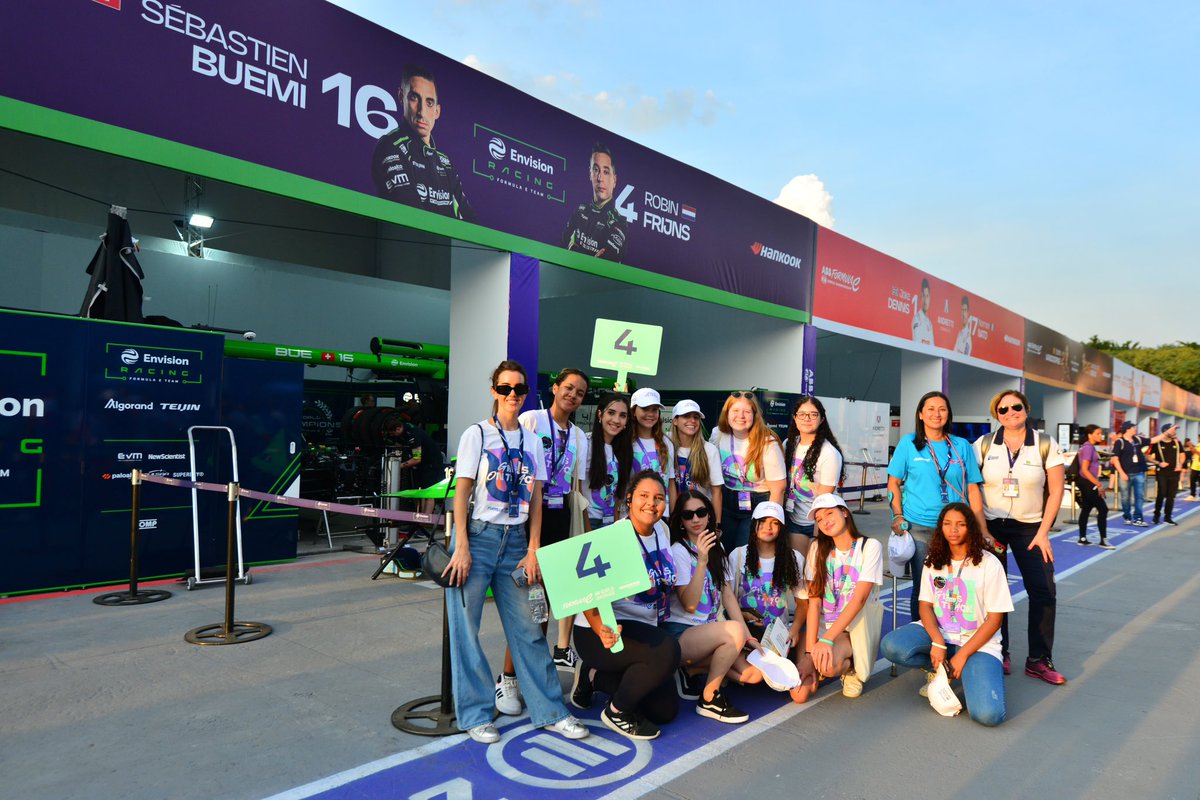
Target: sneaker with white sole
690, 687
924, 690
508, 695
565, 658
852, 685
581, 687
629, 724
569, 727
720, 709
485, 733
1104, 545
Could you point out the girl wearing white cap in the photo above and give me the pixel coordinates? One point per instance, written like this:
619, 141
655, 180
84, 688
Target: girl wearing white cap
752, 465
814, 466
697, 462
844, 571
762, 574
608, 461
651, 449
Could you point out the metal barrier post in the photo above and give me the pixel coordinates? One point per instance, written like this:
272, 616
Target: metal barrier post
230, 632
132, 597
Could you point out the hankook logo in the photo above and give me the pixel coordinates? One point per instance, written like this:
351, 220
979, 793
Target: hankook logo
497, 148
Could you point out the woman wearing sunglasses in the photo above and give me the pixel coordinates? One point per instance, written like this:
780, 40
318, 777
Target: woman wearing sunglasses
1023, 478
501, 468
930, 469
638, 679
608, 460
963, 598
814, 466
752, 466
711, 646
697, 462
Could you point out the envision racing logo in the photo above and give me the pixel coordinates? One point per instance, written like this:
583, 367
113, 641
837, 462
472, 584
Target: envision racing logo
129, 356
148, 364
496, 148
518, 164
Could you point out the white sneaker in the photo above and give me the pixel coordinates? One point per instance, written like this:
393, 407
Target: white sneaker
508, 695
570, 727
924, 690
485, 734
852, 685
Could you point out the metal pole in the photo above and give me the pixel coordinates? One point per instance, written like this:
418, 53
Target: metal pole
232, 496
133, 531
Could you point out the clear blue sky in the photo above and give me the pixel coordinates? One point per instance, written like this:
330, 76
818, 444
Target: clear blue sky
1043, 155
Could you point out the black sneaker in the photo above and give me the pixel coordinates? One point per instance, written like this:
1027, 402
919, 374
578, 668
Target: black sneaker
565, 659
1104, 545
690, 687
1083, 542
720, 709
629, 724
1170, 521
581, 687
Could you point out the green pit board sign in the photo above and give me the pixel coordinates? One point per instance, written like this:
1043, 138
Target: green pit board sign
626, 347
593, 571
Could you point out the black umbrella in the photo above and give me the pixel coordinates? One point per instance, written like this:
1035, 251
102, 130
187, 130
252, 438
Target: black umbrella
115, 290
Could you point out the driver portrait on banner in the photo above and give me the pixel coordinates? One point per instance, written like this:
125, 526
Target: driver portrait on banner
597, 228
407, 166
922, 327
969, 323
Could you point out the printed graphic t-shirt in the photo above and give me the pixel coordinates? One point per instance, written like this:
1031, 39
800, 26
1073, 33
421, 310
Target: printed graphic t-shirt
962, 601
709, 606
683, 478
492, 477
739, 476
844, 569
560, 447
756, 592
602, 502
800, 490
653, 605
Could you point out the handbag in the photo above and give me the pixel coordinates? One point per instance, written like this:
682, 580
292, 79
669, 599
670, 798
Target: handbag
434, 562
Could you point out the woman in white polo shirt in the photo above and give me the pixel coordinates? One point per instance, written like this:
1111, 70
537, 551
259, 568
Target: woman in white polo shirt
1023, 479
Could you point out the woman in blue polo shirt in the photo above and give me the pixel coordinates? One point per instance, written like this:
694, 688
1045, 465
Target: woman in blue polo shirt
929, 470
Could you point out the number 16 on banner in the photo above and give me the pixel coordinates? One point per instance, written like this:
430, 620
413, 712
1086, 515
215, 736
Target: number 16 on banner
626, 347
593, 571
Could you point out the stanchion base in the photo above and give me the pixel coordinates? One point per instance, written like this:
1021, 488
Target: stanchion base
411, 719
215, 634
861, 512
128, 598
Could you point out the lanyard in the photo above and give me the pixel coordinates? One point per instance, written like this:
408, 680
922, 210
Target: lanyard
659, 576
941, 473
1012, 457
513, 466
736, 468
945, 591
556, 457
831, 565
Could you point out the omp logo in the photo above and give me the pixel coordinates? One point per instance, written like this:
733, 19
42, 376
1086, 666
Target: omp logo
22, 407
497, 148
147, 524
129, 356
771, 254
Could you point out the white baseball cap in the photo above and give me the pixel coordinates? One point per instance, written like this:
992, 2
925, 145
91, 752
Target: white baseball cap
644, 398
768, 509
826, 501
687, 407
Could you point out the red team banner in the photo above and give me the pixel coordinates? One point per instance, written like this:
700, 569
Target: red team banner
856, 285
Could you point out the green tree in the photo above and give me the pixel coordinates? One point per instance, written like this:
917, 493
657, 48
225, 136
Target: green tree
1178, 363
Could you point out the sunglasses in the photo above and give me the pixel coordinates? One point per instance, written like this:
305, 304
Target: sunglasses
747, 395
504, 390
1002, 410
694, 513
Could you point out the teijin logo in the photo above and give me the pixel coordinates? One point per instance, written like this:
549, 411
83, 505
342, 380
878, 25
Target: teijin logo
497, 148
129, 356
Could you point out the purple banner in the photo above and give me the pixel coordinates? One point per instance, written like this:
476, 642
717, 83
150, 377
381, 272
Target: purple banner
311, 89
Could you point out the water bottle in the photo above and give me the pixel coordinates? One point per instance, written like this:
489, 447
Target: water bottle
537, 604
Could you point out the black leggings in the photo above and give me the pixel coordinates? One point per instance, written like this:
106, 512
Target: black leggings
1089, 498
641, 677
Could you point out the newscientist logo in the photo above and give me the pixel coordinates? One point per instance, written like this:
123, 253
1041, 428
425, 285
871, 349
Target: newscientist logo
519, 165
139, 364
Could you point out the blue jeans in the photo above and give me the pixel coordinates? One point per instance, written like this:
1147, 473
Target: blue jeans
496, 550
1136, 486
982, 675
921, 536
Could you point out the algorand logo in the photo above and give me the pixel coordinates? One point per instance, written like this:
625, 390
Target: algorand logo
117, 405
844, 280
129, 356
770, 253
496, 148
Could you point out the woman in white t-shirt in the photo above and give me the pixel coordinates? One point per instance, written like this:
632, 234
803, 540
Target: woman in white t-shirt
843, 575
814, 463
764, 574
501, 468
752, 466
639, 679
651, 448
964, 596
697, 462
608, 460
711, 645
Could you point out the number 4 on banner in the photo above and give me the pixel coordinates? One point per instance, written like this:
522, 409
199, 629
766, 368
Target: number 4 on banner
626, 347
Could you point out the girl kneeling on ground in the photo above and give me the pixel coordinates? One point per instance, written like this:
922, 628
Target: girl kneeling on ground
762, 574
964, 597
845, 569
710, 645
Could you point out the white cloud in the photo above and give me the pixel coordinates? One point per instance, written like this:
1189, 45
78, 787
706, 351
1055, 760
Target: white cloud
807, 195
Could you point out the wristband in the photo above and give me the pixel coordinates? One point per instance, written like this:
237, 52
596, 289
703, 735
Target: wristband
935, 644
823, 640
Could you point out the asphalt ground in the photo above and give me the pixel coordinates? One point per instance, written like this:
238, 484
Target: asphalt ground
113, 703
